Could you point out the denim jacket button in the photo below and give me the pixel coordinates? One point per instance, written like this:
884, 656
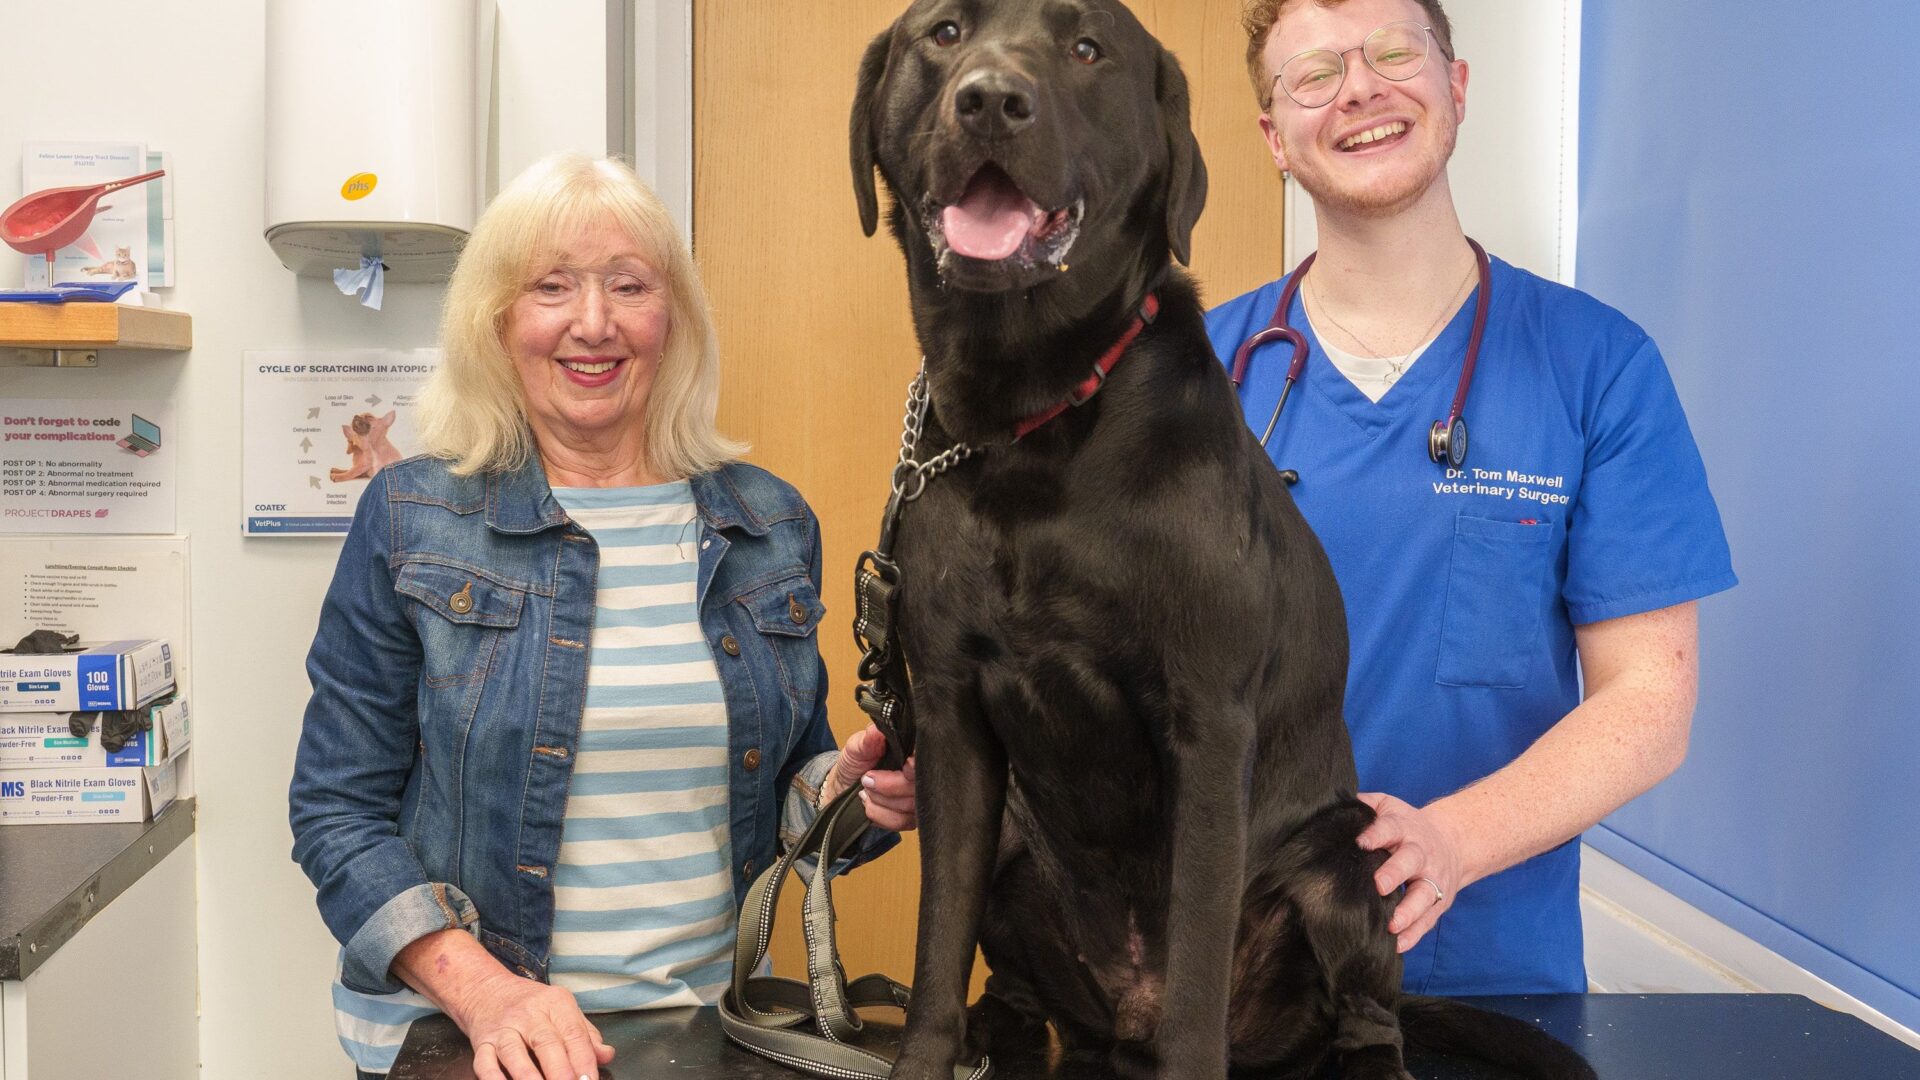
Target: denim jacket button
746, 869
462, 601
729, 646
751, 760
794, 611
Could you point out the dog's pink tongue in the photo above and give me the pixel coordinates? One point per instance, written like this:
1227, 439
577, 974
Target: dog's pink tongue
992, 219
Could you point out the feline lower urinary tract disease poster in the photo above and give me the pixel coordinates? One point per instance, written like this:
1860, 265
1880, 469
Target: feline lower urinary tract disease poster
114, 245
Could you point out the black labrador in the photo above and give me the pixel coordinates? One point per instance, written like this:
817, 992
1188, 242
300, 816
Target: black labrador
1128, 651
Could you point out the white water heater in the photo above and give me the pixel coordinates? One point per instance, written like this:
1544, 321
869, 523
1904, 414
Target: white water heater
371, 134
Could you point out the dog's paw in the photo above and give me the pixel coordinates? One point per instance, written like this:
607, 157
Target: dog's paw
997, 1028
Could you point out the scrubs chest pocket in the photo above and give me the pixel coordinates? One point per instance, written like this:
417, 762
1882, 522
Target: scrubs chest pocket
1491, 625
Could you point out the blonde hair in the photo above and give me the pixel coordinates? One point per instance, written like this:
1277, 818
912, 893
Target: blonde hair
473, 408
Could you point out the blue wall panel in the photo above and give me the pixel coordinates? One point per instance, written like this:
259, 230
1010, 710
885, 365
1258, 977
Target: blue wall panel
1750, 193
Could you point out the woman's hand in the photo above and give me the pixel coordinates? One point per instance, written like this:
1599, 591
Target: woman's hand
887, 795
1425, 858
526, 1030
520, 1029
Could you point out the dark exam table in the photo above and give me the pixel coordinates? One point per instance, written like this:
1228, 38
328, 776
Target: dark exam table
1624, 1036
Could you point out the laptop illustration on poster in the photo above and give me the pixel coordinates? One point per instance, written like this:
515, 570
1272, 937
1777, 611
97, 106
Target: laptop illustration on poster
144, 439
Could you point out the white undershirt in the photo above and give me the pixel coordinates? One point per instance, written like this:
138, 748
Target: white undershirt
1370, 375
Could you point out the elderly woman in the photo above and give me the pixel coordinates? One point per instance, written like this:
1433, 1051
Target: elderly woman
566, 685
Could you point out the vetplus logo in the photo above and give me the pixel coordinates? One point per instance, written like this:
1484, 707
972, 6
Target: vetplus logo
13, 789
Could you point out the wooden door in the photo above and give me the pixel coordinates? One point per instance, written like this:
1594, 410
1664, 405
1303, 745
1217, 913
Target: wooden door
813, 317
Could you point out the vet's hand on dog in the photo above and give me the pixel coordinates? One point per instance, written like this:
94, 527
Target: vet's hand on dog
1421, 847
887, 794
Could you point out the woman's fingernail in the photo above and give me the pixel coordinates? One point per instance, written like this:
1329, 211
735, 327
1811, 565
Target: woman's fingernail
867, 781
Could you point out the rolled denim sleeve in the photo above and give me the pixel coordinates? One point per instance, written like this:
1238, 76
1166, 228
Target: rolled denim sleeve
356, 754
802, 805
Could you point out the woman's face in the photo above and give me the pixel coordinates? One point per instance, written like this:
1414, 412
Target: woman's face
586, 335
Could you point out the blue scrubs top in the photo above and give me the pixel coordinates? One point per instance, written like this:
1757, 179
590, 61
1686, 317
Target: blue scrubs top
1583, 498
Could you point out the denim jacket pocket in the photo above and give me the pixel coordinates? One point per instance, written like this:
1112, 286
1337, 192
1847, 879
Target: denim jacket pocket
786, 612
465, 605
789, 607
460, 595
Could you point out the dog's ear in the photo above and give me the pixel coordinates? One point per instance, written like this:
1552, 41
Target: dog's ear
863, 143
1186, 170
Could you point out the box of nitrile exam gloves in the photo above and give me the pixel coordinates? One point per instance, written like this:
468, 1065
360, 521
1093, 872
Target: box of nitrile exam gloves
112, 675
47, 740
36, 796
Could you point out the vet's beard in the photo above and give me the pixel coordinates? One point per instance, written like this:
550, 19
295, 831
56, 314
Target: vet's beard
1375, 202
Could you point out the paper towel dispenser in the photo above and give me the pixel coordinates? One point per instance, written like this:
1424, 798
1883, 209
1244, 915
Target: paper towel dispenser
370, 134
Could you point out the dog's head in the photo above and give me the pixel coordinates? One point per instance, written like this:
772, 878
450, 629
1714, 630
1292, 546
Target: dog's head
1020, 137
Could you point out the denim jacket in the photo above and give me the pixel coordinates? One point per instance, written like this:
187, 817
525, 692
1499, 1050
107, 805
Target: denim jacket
449, 674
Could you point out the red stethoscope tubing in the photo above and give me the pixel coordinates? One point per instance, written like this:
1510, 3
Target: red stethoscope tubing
1278, 329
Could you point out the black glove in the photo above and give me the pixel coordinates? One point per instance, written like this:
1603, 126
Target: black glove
116, 726
45, 643
119, 725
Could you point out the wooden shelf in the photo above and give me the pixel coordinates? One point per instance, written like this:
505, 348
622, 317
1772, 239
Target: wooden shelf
90, 326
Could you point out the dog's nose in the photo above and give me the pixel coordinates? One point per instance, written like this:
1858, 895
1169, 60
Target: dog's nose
993, 103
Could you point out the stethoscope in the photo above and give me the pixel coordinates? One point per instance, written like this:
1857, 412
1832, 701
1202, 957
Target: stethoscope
1447, 441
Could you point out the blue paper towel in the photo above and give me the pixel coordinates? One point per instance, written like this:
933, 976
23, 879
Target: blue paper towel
369, 281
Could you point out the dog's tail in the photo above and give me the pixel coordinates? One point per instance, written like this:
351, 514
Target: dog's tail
1443, 1026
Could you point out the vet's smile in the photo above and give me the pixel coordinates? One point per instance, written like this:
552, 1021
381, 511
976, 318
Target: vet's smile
1376, 135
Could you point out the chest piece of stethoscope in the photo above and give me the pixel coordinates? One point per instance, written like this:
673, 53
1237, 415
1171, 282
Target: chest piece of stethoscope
1447, 442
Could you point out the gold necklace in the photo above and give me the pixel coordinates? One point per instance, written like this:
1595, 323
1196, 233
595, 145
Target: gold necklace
1449, 304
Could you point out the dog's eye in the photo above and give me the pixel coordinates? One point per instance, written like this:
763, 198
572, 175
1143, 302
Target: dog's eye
946, 33
1086, 51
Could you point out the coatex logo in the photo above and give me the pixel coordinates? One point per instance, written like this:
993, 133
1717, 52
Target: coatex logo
13, 789
358, 186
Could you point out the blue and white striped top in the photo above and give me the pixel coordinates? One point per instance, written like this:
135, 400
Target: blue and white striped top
642, 894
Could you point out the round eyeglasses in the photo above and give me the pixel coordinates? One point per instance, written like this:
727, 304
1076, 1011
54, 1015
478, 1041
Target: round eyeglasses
1396, 51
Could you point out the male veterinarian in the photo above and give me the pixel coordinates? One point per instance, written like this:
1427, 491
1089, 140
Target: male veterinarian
1578, 527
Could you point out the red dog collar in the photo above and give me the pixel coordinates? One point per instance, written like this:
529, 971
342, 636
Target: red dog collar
1149, 309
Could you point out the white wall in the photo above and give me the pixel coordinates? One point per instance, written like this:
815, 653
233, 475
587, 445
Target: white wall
186, 76
194, 86
552, 79
544, 104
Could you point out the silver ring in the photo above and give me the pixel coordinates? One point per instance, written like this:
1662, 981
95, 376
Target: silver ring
1438, 894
